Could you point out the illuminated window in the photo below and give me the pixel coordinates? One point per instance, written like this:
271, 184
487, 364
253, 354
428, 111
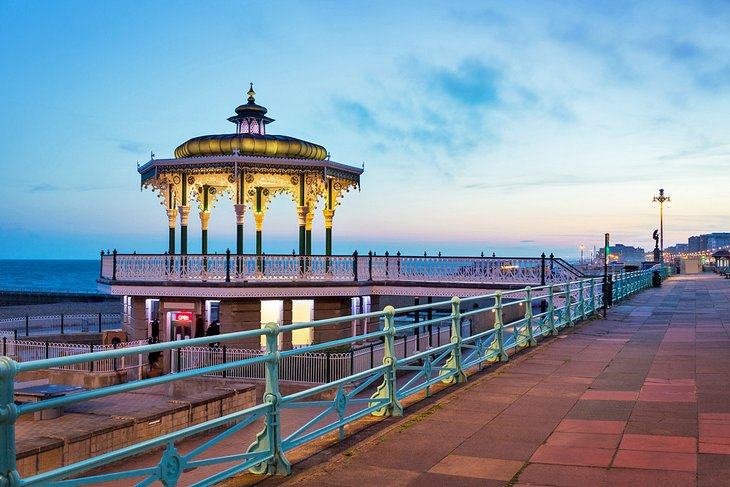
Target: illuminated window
272, 311
302, 311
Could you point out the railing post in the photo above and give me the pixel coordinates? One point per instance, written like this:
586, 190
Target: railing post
567, 304
386, 263
228, 265
454, 361
387, 390
99, 322
542, 269
27, 326
8, 414
61, 323
354, 265
499, 324
114, 265
582, 302
370, 265
91, 363
551, 310
114, 360
5, 346
178, 358
594, 308
528, 318
101, 266
47, 349
225, 360
269, 439
328, 373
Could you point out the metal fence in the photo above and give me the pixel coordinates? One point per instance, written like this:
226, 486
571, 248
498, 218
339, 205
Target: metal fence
28, 351
348, 398
61, 324
314, 368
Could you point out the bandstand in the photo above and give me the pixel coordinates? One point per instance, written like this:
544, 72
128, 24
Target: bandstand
251, 168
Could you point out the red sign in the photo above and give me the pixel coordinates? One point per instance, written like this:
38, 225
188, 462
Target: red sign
182, 316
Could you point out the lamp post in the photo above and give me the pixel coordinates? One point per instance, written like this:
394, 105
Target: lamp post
661, 199
582, 247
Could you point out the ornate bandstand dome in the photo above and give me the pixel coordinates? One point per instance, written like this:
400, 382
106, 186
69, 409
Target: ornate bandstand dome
251, 138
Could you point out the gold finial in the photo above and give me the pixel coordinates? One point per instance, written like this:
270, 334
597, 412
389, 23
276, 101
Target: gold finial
251, 93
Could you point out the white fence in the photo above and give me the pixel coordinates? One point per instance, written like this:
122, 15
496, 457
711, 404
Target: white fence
313, 367
26, 351
61, 324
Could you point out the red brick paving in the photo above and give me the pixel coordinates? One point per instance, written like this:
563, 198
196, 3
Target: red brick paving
638, 399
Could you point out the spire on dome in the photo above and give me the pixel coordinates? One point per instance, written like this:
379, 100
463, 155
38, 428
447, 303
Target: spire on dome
251, 94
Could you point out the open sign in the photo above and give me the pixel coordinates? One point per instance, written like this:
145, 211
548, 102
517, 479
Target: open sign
182, 316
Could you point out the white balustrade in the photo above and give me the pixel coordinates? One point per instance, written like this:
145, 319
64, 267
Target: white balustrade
237, 268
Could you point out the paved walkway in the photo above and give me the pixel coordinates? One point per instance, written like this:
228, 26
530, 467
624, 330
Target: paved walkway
641, 399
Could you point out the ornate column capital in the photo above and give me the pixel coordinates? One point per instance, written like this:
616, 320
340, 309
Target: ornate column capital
171, 217
259, 217
240, 211
310, 218
302, 213
328, 215
204, 217
184, 212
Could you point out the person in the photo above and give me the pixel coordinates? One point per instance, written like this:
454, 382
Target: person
155, 332
213, 330
154, 365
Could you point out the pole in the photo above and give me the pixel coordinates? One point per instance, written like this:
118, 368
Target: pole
661, 233
605, 273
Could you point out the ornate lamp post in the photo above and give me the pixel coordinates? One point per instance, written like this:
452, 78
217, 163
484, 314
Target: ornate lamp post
661, 199
582, 248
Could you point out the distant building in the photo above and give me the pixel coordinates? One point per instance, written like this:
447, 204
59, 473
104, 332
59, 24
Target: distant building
677, 249
623, 253
693, 244
708, 241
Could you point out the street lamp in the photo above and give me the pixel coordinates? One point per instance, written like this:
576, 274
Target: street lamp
582, 247
661, 199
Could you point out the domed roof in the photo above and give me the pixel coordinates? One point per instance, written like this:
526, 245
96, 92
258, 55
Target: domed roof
251, 145
251, 139
721, 253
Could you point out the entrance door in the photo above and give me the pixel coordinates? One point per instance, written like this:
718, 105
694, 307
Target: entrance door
180, 325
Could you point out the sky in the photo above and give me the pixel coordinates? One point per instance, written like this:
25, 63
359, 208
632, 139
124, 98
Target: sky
513, 127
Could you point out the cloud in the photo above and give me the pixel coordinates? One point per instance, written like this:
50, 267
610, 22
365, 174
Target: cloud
355, 114
45, 188
130, 146
472, 83
52, 188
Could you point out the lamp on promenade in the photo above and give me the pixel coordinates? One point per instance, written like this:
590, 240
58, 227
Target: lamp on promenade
661, 199
582, 247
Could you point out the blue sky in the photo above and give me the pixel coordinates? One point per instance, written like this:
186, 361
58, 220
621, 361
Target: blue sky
507, 127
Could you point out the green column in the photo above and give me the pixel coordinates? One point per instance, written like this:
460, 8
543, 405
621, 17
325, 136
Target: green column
204, 215
171, 238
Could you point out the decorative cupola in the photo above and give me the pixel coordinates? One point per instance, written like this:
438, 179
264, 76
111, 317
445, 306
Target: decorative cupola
251, 118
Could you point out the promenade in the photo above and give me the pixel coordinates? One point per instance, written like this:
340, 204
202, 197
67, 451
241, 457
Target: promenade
640, 398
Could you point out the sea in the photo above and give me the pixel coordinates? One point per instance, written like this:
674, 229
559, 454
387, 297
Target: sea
78, 276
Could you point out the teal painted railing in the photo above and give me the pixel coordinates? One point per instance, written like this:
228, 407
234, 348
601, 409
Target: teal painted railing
545, 310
